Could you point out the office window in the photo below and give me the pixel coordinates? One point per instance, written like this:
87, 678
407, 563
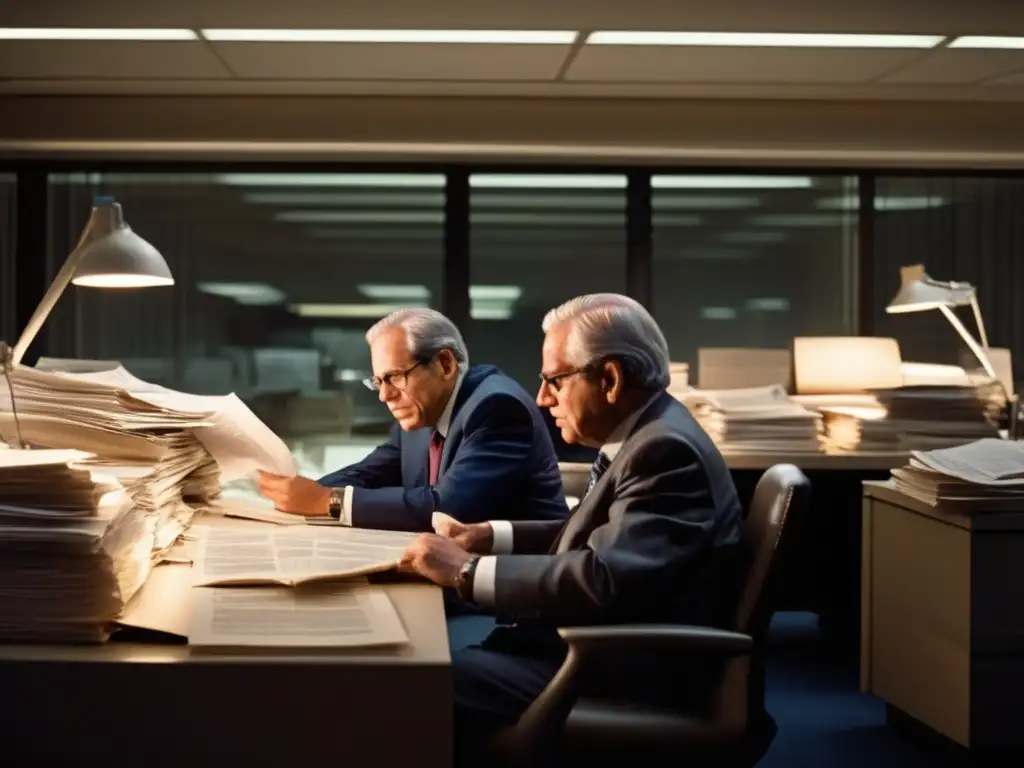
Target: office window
8, 203
752, 260
536, 241
278, 276
966, 229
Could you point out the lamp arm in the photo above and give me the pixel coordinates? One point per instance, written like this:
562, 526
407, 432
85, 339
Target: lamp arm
49, 300
976, 348
978, 320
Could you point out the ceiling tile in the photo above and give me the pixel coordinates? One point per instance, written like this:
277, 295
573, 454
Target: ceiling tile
369, 61
725, 65
96, 59
958, 66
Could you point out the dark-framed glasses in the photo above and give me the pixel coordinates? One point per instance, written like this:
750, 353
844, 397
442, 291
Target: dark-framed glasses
396, 379
555, 381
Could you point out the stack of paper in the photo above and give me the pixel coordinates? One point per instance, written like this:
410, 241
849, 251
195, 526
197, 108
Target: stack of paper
72, 554
982, 476
755, 420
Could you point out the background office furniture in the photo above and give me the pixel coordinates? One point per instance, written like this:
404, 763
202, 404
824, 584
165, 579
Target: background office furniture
734, 726
943, 630
143, 703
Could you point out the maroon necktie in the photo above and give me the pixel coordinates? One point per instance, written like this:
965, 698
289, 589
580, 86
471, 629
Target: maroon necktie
436, 447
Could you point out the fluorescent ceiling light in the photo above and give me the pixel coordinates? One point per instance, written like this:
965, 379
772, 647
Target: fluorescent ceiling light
883, 203
546, 181
389, 180
348, 199
981, 41
85, 33
362, 217
345, 310
546, 219
731, 182
490, 313
662, 219
256, 294
764, 39
495, 292
442, 36
801, 220
768, 304
704, 202
390, 292
718, 313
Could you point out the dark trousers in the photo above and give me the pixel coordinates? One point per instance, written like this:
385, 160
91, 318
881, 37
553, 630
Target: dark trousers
495, 681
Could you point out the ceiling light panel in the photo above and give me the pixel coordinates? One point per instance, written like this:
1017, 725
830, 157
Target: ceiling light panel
762, 39
86, 33
731, 182
991, 43
398, 36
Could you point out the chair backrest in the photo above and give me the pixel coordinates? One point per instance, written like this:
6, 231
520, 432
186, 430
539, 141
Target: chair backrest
782, 491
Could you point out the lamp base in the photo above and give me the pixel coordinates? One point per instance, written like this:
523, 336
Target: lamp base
6, 367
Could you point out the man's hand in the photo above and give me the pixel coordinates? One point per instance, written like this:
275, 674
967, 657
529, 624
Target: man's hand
436, 558
477, 538
296, 495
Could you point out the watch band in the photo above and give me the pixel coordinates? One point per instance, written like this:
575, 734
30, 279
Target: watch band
336, 503
464, 586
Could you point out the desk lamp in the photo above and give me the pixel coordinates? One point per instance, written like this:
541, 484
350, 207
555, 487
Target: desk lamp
919, 292
108, 255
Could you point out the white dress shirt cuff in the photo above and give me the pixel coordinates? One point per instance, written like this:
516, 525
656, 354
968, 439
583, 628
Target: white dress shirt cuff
501, 541
483, 581
346, 507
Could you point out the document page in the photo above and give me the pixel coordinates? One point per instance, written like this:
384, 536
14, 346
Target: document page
323, 616
292, 555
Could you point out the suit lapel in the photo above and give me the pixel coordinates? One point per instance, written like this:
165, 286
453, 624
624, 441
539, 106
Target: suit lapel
582, 517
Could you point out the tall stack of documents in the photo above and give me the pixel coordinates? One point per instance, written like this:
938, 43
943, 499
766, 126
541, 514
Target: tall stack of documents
981, 476
71, 552
917, 417
755, 420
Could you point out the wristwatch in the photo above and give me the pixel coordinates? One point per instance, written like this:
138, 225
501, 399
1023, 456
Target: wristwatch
336, 503
464, 585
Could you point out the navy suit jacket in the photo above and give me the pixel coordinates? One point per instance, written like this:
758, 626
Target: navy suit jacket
498, 463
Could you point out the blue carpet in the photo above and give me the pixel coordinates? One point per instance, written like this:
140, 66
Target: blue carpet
823, 719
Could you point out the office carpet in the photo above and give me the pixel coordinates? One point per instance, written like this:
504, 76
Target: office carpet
824, 721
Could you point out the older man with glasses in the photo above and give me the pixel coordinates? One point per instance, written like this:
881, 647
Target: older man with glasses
469, 441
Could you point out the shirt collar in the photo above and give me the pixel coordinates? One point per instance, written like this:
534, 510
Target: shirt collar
618, 436
445, 421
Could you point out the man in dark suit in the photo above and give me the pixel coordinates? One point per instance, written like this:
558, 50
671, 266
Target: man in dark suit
469, 442
655, 538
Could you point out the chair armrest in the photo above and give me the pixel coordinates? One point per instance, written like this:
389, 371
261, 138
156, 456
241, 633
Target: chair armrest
657, 638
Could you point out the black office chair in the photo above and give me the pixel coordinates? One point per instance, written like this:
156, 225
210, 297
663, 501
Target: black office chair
732, 728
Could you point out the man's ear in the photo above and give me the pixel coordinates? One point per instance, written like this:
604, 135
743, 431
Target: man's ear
612, 380
449, 365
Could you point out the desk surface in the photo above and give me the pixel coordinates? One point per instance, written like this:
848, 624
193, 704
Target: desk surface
886, 492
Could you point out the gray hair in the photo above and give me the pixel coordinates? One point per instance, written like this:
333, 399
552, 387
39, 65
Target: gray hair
609, 325
427, 332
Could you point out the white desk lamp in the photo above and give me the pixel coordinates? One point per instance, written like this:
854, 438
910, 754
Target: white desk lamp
919, 292
108, 255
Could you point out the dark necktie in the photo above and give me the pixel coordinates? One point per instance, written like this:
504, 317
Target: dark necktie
436, 447
601, 464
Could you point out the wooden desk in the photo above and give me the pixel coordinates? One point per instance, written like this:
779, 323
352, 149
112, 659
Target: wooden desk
942, 630
138, 704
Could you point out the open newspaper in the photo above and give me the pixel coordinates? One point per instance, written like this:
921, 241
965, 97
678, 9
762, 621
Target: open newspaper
293, 555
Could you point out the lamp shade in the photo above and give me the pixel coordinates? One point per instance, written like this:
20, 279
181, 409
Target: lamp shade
110, 255
919, 292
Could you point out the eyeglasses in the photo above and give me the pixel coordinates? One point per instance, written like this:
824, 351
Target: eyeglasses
397, 379
555, 382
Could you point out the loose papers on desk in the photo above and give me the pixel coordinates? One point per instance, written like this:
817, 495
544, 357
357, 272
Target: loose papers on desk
755, 420
981, 476
72, 553
293, 555
324, 616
